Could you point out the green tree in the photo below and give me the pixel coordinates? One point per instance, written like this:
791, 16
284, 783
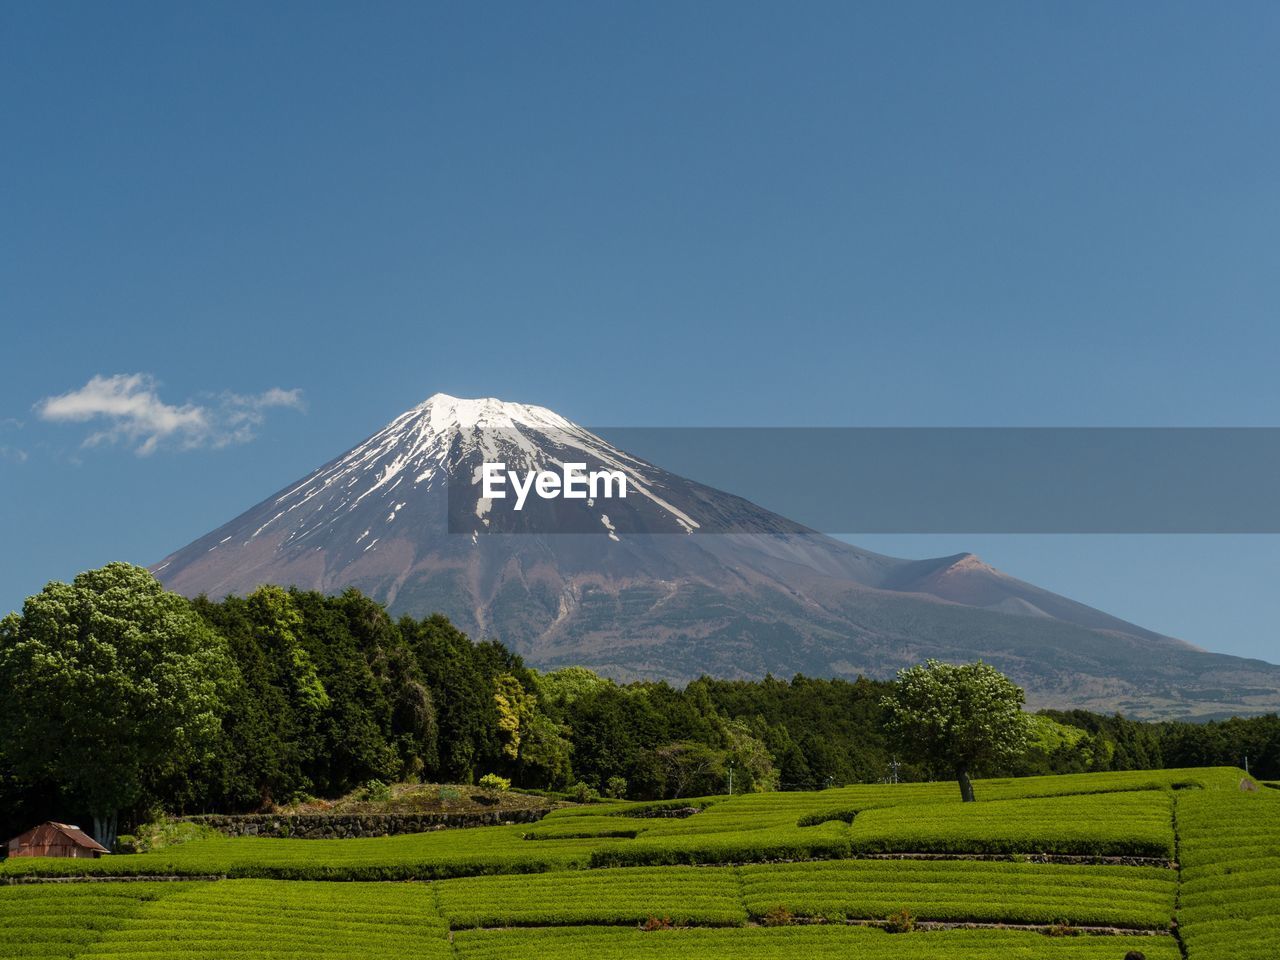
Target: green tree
277, 623
690, 769
110, 683
752, 759
564, 687
464, 705
967, 718
515, 712
545, 750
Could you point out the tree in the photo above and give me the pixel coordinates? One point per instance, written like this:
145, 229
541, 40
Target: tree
515, 712
690, 769
466, 713
545, 750
967, 718
564, 687
754, 763
110, 683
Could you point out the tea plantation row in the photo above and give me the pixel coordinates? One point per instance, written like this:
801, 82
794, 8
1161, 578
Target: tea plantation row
1123, 814
537, 897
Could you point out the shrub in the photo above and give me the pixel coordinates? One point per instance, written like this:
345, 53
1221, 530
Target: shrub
778, 916
1061, 928
492, 784
375, 791
1135, 955
900, 922
582, 793
160, 833
616, 787
450, 794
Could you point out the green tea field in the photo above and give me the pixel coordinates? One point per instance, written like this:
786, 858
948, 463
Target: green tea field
1163, 864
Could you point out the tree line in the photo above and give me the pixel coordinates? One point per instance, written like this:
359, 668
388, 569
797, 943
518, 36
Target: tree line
118, 698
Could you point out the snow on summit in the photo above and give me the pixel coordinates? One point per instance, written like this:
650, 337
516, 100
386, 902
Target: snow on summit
445, 439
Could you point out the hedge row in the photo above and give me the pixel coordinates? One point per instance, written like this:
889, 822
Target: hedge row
681, 894
421, 856
788, 943
1230, 856
954, 890
1137, 824
964, 890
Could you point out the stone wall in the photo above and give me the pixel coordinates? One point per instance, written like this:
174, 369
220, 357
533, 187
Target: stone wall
326, 826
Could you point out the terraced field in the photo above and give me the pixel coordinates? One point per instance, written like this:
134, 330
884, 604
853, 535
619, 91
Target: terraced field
241, 919
776, 875
65, 919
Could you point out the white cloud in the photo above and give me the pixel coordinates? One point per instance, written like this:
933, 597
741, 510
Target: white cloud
130, 410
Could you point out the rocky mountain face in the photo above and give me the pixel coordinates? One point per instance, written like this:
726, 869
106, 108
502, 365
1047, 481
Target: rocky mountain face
652, 586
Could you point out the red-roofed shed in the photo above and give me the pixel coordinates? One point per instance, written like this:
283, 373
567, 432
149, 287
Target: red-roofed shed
56, 840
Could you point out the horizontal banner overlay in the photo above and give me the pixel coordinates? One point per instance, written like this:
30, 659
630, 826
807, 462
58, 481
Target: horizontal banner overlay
888, 480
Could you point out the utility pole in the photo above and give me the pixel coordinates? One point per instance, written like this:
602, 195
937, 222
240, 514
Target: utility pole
731, 778
1246, 763
893, 770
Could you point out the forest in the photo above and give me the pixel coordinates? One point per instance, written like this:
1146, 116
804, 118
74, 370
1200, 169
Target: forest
301, 695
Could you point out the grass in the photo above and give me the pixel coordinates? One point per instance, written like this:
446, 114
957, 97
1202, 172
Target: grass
418, 798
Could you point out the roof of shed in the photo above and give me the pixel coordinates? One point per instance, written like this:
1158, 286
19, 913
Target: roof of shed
71, 832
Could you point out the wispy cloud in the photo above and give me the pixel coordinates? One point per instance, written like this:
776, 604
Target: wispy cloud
8, 451
129, 409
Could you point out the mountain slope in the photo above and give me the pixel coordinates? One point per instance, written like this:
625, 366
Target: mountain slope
648, 587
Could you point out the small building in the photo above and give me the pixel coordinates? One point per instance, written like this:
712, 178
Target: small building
52, 839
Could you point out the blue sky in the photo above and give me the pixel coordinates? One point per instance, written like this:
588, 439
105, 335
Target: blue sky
713, 213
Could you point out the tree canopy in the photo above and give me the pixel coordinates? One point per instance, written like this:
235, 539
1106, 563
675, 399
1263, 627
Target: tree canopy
119, 697
110, 683
967, 718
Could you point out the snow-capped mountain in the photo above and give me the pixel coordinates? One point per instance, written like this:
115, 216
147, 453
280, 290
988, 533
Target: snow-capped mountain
651, 585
